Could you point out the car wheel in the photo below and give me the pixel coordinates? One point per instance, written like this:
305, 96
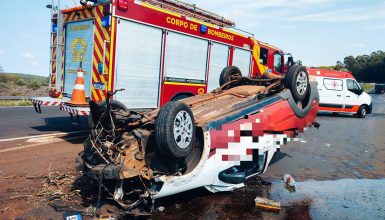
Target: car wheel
362, 111
297, 80
175, 130
227, 72
98, 109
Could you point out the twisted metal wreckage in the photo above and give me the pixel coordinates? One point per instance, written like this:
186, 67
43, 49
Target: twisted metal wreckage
217, 140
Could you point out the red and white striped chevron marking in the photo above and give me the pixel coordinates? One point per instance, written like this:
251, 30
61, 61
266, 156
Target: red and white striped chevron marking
47, 103
75, 111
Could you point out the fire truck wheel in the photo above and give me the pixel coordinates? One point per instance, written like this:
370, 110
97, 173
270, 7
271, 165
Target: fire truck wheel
115, 105
180, 97
297, 80
227, 72
175, 130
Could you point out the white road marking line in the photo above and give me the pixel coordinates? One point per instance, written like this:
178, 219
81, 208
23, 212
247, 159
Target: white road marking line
43, 135
38, 144
42, 139
16, 107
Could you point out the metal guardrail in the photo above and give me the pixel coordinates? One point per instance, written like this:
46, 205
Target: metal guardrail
14, 98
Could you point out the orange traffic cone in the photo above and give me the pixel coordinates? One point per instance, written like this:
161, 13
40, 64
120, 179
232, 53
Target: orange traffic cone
78, 97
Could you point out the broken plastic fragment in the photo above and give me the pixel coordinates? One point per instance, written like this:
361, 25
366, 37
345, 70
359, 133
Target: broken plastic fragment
161, 208
267, 204
289, 180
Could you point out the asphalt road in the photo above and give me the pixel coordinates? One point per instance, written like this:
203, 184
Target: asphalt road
24, 121
339, 169
343, 147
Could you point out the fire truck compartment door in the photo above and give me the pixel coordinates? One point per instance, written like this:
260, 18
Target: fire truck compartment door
186, 57
79, 44
218, 60
242, 59
138, 64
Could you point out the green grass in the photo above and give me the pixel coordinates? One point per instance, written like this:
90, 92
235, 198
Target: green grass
24, 79
367, 86
5, 103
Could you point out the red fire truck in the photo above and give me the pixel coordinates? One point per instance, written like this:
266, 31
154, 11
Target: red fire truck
157, 50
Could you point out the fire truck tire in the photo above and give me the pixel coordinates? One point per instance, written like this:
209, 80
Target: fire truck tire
297, 81
175, 130
227, 72
115, 105
180, 97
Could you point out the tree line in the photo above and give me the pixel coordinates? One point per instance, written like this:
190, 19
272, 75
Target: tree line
365, 68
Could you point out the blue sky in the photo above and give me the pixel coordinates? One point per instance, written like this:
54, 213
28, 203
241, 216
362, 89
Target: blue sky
318, 32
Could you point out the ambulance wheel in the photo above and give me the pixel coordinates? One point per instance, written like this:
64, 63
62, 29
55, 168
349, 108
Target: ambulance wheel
227, 72
362, 111
297, 80
175, 130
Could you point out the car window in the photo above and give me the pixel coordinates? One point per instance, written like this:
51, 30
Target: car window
356, 86
350, 84
278, 62
263, 56
333, 84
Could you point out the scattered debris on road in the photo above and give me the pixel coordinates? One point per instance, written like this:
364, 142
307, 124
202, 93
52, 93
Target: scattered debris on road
289, 180
267, 204
161, 208
58, 189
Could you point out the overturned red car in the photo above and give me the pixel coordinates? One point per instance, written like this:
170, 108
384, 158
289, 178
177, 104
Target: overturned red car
217, 140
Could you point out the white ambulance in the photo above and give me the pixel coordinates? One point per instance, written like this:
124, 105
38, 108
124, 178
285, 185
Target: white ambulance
340, 93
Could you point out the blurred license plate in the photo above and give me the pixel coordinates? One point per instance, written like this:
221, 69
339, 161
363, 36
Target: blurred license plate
72, 216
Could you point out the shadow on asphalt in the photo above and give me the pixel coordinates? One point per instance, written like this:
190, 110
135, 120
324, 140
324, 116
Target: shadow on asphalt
279, 156
377, 115
63, 124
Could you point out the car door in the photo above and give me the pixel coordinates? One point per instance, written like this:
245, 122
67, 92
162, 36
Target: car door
352, 96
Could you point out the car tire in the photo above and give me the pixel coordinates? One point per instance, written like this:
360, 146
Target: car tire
297, 81
362, 111
175, 130
115, 105
226, 74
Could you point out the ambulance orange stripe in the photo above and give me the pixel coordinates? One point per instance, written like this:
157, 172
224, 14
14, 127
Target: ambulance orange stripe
351, 110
